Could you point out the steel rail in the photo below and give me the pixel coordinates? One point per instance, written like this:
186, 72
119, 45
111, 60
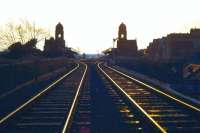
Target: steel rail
161, 129
37, 95
72, 109
158, 91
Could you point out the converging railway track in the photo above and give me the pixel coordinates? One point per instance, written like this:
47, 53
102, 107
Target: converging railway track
166, 112
101, 109
96, 98
49, 109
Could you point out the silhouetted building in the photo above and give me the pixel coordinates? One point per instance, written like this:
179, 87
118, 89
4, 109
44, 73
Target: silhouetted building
56, 47
175, 47
127, 48
59, 32
122, 32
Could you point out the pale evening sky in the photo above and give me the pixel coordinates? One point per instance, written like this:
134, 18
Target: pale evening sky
90, 25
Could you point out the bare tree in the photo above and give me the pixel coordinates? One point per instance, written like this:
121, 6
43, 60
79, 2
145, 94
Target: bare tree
21, 32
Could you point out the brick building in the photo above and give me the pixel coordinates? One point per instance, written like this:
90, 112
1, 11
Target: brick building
175, 47
127, 48
56, 47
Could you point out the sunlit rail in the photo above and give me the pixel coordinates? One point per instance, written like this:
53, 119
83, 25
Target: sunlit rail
72, 109
133, 101
36, 96
57, 100
167, 112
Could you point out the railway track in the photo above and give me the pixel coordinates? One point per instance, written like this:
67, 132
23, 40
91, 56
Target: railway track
47, 111
13, 98
101, 109
166, 112
100, 99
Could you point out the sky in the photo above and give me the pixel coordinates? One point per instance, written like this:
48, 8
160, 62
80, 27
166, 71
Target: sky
91, 25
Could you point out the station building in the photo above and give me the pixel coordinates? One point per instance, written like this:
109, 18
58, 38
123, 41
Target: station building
175, 47
56, 47
125, 47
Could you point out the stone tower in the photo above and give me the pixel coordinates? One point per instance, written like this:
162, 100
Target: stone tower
122, 33
125, 48
59, 33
